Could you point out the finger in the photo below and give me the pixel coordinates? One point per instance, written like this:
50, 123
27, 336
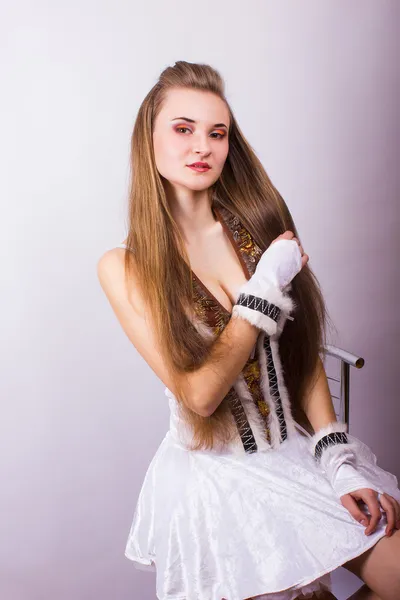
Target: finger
355, 511
396, 506
390, 510
304, 257
397, 513
371, 500
295, 239
304, 260
300, 247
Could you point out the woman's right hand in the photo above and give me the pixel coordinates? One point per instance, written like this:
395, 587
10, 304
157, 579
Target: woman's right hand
262, 295
280, 262
289, 235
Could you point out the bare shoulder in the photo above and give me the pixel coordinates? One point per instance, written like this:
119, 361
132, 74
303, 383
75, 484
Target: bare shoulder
129, 307
127, 304
111, 275
109, 260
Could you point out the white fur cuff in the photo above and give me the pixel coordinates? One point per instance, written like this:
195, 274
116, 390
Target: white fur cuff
256, 318
263, 312
331, 428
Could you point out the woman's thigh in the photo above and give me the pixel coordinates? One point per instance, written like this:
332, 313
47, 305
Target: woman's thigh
379, 567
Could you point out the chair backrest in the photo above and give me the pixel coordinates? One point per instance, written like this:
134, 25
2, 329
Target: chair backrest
339, 381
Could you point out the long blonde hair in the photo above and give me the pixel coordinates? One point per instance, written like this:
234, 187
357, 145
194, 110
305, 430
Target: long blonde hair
163, 270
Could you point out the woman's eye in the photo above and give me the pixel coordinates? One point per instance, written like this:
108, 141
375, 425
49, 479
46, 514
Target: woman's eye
219, 135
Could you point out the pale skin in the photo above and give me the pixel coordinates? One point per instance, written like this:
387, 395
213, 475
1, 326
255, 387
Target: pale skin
178, 143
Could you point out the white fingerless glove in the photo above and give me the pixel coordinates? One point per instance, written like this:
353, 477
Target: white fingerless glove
261, 299
339, 460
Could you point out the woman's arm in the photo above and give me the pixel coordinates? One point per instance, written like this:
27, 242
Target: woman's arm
317, 401
229, 353
349, 466
204, 388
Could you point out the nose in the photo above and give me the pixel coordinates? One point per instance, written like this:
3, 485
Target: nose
201, 144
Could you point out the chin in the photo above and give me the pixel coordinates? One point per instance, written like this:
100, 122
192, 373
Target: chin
197, 185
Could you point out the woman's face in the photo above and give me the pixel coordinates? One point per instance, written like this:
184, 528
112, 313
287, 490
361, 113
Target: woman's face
202, 136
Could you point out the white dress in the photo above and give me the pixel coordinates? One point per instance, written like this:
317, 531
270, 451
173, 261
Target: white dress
256, 517
234, 526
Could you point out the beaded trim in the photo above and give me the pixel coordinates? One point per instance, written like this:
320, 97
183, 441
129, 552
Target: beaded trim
260, 304
252, 375
210, 312
274, 388
337, 437
242, 423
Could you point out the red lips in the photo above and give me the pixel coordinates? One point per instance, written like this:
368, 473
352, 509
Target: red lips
200, 165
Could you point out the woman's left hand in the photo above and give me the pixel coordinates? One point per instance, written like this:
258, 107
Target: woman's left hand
370, 498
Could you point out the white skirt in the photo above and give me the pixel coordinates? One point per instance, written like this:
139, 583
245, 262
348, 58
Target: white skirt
221, 526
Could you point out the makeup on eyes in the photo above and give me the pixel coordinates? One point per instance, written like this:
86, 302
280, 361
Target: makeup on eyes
221, 133
223, 129
216, 126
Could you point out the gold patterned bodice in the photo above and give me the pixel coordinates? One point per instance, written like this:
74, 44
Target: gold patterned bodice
258, 399
211, 312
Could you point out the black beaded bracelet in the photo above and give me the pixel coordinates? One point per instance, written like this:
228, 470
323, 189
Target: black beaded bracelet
259, 304
337, 437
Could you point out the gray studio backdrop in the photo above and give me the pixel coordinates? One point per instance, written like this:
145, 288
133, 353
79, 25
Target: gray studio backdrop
315, 87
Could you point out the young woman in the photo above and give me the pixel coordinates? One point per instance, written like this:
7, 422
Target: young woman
213, 288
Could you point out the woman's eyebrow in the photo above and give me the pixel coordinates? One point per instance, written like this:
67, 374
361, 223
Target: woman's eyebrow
192, 121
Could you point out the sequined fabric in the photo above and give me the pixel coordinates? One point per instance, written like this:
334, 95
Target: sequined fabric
249, 253
211, 312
